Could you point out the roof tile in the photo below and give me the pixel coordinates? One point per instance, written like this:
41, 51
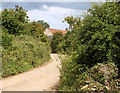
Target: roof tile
56, 30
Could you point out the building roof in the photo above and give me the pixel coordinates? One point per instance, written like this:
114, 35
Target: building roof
56, 30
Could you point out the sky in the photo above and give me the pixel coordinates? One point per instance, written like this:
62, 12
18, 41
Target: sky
51, 12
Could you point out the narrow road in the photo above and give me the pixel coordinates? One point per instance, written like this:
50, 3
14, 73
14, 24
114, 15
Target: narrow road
38, 79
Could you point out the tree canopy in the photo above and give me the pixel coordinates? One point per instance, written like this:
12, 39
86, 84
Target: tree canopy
98, 41
45, 24
14, 20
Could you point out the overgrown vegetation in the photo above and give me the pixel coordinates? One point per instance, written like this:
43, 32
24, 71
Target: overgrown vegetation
97, 45
56, 41
14, 20
36, 30
45, 24
68, 42
26, 52
92, 47
24, 45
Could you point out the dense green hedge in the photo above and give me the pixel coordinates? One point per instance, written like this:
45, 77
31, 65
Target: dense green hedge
25, 53
98, 41
56, 42
22, 42
14, 20
7, 40
36, 30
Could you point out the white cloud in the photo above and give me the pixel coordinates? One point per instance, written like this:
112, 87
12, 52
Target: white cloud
53, 15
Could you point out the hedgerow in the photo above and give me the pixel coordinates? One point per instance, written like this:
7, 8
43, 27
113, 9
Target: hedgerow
56, 42
25, 53
98, 42
21, 42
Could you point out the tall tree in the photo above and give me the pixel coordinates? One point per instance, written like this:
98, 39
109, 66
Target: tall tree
45, 24
72, 21
36, 29
13, 20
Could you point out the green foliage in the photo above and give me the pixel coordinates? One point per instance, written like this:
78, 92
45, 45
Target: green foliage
98, 41
13, 20
35, 29
100, 77
7, 40
45, 24
21, 53
72, 21
20, 42
27, 52
55, 44
0, 62
70, 72
67, 41
71, 37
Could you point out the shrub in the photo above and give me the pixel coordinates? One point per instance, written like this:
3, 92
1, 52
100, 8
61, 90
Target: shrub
99, 41
66, 43
26, 53
45, 24
56, 42
100, 77
70, 41
7, 40
36, 30
14, 20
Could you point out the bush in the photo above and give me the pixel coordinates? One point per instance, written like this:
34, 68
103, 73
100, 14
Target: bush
70, 41
7, 40
100, 77
20, 52
56, 42
14, 20
26, 53
99, 41
36, 30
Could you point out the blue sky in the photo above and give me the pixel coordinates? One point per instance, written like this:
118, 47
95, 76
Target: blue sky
51, 12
